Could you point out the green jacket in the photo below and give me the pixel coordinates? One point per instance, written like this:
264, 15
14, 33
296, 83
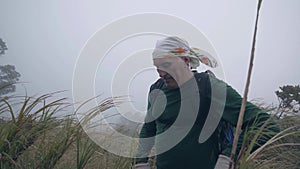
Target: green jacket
173, 111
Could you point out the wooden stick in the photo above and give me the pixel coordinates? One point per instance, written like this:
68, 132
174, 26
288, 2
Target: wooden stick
242, 110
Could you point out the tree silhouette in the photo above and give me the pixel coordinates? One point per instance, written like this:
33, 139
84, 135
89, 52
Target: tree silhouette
3, 47
289, 98
8, 74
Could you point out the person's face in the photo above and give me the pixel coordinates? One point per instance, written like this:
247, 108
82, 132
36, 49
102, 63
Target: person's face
170, 70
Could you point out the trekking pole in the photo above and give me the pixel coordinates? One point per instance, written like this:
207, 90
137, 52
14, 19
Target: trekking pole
244, 101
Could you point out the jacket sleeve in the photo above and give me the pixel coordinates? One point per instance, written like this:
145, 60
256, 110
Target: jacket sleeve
254, 117
147, 134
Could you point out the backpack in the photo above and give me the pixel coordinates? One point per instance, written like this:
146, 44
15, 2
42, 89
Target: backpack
226, 130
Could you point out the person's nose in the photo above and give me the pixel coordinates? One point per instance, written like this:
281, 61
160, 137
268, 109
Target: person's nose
161, 73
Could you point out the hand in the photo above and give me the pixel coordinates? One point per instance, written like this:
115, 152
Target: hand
223, 162
142, 166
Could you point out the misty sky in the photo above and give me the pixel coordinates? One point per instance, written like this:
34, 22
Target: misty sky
44, 38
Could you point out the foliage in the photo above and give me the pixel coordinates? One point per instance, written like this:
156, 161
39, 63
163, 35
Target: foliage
8, 77
281, 148
3, 47
34, 137
8, 74
289, 98
25, 125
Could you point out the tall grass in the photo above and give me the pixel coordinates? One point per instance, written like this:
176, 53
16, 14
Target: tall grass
34, 117
33, 136
282, 150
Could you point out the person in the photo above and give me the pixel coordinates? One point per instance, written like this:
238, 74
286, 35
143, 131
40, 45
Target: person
182, 105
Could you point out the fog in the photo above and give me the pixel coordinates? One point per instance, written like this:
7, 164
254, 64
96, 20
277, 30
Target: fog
45, 38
